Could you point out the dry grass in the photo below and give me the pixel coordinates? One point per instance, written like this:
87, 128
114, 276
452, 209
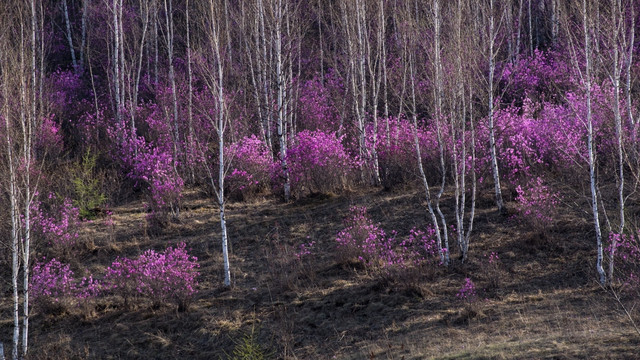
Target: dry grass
544, 302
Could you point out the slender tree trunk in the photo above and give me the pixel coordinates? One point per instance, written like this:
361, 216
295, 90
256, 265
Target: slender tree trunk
629, 62
116, 61
530, 15
438, 121
280, 78
190, 89
492, 137
83, 30
590, 145
617, 41
69, 39
168, 9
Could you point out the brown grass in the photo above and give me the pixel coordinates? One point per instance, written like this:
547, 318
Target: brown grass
542, 302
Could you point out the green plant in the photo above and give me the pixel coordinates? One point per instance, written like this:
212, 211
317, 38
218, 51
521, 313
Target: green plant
248, 348
87, 187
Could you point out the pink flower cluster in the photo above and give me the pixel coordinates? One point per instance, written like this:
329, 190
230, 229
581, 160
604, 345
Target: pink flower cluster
169, 276
627, 258
152, 164
251, 162
537, 203
317, 109
318, 162
305, 249
49, 139
57, 223
467, 292
52, 281
396, 149
375, 248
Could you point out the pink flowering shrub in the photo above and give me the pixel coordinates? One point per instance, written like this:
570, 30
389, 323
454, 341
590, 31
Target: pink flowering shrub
152, 166
537, 203
397, 152
56, 222
365, 240
169, 276
626, 249
51, 281
492, 268
541, 73
318, 162
54, 282
467, 292
49, 141
304, 250
251, 163
317, 109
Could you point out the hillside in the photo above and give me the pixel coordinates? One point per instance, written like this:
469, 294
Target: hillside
544, 301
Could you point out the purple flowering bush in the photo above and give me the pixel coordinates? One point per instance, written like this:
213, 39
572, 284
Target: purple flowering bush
251, 163
467, 292
56, 222
363, 239
51, 281
170, 276
318, 162
626, 248
397, 152
537, 203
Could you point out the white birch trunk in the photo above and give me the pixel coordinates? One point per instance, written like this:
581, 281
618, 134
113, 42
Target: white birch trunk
629, 62
438, 121
190, 86
590, 145
69, 38
116, 60
168, 9
215, 82
492, 137
530, 27
409, 56
280, 102
83, 30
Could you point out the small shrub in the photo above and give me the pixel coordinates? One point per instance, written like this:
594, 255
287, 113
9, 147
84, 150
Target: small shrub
162, 277
491, 266
318, 162
251, 163
537, 204
57, 223
54, 288
86, 186
467, 293
51, 281
397, 151
248, 348
365, 240
627, 260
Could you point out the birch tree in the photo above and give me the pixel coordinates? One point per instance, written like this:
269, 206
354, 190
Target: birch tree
410, 46
613, 58
212, 71
463, 127
491, 38
21, 113
585, 74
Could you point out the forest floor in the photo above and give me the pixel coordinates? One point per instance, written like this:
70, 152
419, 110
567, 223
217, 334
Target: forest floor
542, 301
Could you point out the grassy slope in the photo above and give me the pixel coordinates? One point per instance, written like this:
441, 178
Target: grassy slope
547, 304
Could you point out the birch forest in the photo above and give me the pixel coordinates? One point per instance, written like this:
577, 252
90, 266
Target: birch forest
319, 179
